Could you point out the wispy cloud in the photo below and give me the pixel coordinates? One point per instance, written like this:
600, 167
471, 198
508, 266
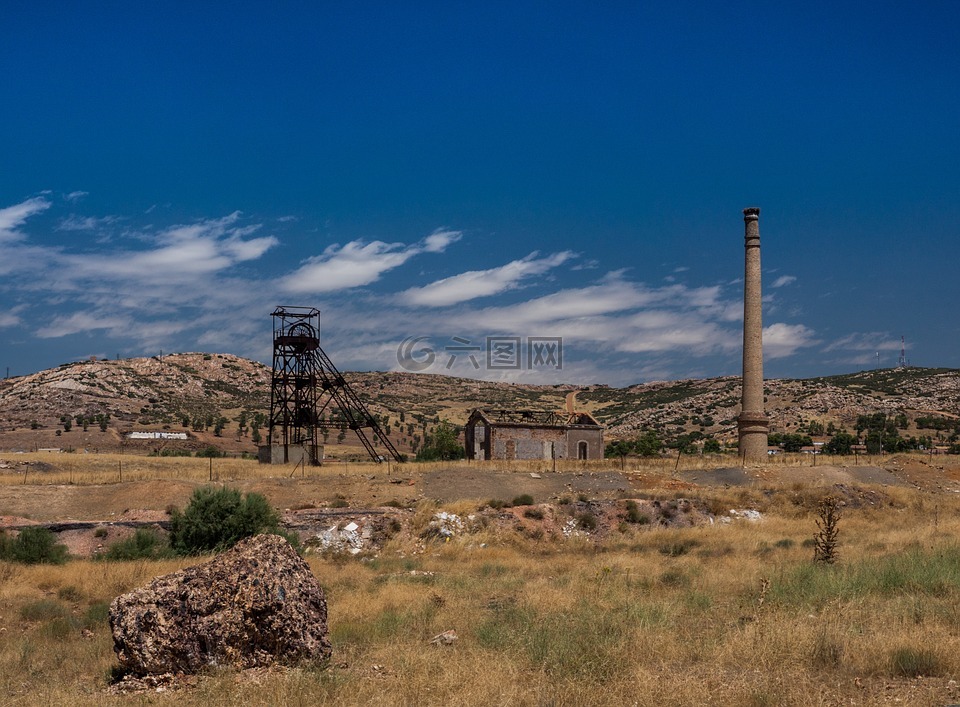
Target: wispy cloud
865, 341
783, 281
782, 340
483, 283
76, 195
12, 217
357, 263
85, 223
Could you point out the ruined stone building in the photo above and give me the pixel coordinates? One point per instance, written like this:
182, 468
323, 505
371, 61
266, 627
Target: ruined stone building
527, 434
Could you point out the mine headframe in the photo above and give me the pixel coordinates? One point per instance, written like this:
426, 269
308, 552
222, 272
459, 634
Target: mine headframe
305, 383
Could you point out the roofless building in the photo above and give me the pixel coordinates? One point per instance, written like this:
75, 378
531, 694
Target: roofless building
529, 434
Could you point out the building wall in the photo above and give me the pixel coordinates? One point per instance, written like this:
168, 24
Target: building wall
526, 442
593, 438
505, 441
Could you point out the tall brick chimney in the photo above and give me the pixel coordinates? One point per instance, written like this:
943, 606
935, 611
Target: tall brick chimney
752, 424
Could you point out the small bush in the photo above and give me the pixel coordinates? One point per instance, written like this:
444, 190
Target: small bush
534, 513
339, 501
33, 546
915, 662
210, 452
97, 614
634, 515
216, 519
142, 545
69, 593
100, 532
564, 501
586, 521
497, 504
523, 500
44, 610
676, 549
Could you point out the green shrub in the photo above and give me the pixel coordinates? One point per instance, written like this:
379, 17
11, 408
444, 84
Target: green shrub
216, 518
680, 547
43, 610
634, 515
142, 545
33, 546
586, 521
534, 513
210, 452
915, 662
523, 500
497, 504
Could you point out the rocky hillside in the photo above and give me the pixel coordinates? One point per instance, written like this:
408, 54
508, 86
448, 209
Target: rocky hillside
195, 390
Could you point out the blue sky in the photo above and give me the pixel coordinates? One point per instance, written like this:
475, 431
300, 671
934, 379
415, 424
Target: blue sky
461, 172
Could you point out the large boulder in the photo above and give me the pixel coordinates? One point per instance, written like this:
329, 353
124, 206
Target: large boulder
255, 605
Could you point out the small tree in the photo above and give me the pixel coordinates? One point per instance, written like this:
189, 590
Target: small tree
443, 445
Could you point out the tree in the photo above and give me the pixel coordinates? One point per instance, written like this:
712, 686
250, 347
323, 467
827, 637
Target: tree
621, 448
648, 444
711, 446
840, 443
443, 444
794, 442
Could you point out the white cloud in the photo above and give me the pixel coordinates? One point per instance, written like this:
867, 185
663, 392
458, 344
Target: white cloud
343, 267
782, 340
85, 223
783, 280
13, 217
76, 195
80, 322
483, 283
438, 241
180, 253
865, 341
357, 263
8, 319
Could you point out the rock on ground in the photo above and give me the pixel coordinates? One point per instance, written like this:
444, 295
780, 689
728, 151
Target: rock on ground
255, 605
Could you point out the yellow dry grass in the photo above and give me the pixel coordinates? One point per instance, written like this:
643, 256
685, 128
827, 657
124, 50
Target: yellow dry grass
86, 469
718, 614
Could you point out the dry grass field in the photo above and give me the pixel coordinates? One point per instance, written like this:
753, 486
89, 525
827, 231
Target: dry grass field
722, 613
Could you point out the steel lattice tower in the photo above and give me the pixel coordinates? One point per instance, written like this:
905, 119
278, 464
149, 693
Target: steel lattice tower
305, 383
293, 388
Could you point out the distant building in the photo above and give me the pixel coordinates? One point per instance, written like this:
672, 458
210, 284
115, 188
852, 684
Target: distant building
527, 434
157, 435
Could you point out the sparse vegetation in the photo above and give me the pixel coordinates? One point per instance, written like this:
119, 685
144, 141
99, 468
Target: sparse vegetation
142, 545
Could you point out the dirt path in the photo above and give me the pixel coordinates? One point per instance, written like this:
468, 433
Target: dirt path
814, 475
571, 401
484, 485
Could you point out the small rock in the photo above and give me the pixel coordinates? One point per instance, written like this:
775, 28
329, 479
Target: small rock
447, 638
